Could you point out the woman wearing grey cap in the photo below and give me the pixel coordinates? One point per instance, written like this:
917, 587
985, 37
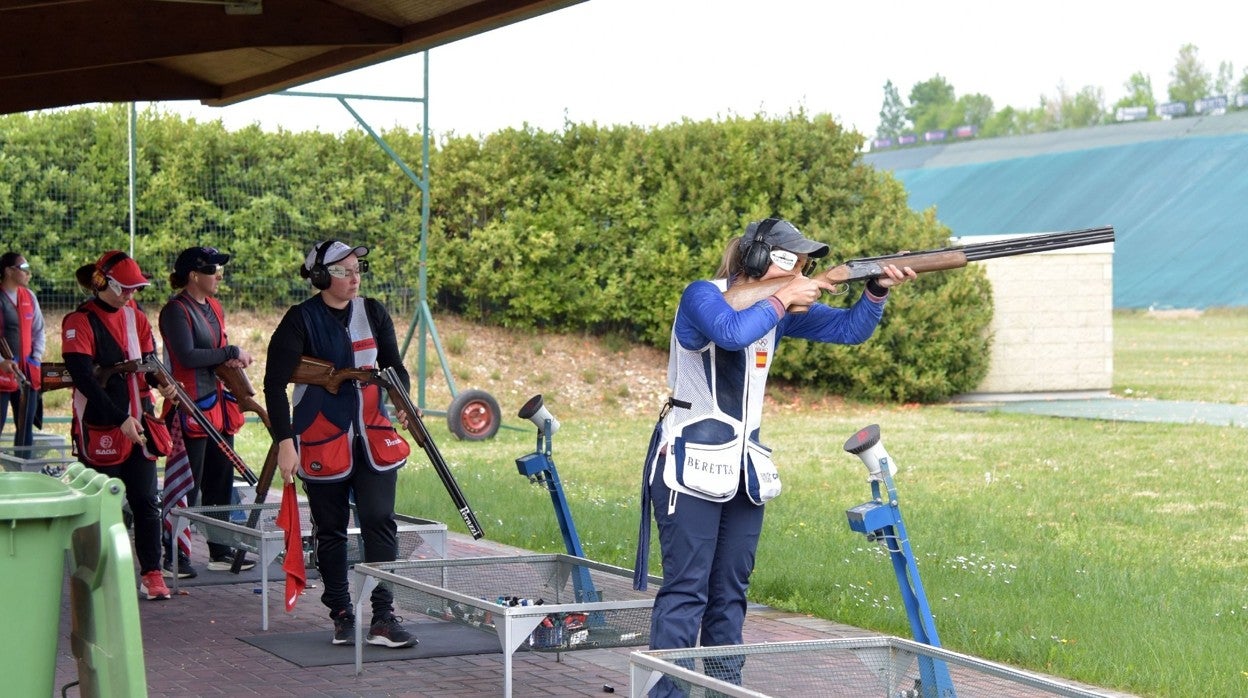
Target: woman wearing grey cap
342, 445
192, 326
707, 473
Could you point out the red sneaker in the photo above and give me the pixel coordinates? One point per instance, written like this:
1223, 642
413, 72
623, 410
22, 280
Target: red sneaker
153, 586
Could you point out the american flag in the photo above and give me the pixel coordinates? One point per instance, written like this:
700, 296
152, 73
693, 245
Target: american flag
179, 480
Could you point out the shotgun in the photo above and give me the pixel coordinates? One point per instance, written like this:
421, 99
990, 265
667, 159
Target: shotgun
236, 381
24, 389
746, 293
319, 372
56, 376
153, 365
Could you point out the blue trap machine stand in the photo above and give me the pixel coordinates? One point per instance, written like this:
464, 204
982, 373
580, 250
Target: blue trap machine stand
539, 467
881, 522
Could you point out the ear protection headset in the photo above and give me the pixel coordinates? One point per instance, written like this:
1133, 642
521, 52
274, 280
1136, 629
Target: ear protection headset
319, 273
757, 255
99, 277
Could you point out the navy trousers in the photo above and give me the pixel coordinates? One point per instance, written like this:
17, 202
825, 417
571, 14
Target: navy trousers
708, 554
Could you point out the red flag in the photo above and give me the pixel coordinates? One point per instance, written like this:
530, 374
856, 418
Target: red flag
288, 521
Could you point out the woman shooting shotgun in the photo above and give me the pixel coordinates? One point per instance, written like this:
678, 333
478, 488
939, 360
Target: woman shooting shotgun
707, 471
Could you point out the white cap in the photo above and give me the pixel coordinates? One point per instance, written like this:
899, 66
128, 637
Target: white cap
336, 251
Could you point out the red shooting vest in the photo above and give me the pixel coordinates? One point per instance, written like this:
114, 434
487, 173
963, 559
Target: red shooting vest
21, 354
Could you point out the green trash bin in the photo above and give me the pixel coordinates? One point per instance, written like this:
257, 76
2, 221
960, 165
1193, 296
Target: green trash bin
37, 515
41, 518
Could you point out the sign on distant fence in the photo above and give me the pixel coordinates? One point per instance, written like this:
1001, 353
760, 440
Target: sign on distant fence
907, 139
881, 143
1241, 100
1170, 109
935, 136
965, 131
1211, 105
1131, 113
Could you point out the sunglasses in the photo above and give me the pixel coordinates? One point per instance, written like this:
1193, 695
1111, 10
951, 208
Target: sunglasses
211, 269
24, 266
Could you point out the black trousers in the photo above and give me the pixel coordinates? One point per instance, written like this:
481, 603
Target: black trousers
330, 506
214, 480
138, 474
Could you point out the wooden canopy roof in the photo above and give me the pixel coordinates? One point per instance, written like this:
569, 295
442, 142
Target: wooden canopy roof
56, 53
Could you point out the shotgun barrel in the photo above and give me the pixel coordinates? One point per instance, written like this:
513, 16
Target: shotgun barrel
744, 294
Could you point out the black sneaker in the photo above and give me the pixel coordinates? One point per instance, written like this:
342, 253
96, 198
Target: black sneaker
388, 631
225, 563
185, 570
344, 627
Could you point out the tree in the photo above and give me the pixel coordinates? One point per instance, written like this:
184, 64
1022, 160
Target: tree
1225, 83
1085, 108
892, 113
931, 103
1189, 81
1139, 93
973, 110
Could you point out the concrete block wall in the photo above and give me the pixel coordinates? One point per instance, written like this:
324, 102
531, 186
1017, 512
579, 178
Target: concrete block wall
1052, 324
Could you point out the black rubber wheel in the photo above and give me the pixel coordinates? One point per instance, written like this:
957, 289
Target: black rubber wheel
474, 416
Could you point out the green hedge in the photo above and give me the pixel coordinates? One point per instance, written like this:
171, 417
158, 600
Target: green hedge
600, 228
594, 229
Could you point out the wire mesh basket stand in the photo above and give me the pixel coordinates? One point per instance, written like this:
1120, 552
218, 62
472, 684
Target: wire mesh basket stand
528, 601
863, 667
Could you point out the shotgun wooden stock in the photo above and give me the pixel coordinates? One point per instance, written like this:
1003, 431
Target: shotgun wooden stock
318, 372
55, 375
743, 294
321, 373
236, 381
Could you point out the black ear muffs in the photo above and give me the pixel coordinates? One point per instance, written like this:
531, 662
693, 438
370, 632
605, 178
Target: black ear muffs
757, 256
99, 277
319, 273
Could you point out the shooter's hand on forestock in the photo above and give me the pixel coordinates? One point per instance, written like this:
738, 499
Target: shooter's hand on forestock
403, 418
894, 276
168, 392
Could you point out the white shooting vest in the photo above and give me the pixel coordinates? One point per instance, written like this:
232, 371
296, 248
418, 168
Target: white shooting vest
710, 442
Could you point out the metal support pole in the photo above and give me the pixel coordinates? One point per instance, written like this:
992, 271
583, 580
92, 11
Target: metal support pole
423, 317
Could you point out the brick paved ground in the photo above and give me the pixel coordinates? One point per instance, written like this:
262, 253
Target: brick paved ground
191, 648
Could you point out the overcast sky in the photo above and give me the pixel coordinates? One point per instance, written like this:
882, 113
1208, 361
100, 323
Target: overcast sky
654, 62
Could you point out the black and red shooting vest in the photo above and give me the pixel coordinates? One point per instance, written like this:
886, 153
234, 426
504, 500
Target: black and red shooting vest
326, 424
218, 404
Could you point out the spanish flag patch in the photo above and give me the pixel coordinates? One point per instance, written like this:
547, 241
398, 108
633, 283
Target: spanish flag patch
760, 358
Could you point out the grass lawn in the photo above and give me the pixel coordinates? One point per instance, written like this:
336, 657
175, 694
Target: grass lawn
1112, 553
